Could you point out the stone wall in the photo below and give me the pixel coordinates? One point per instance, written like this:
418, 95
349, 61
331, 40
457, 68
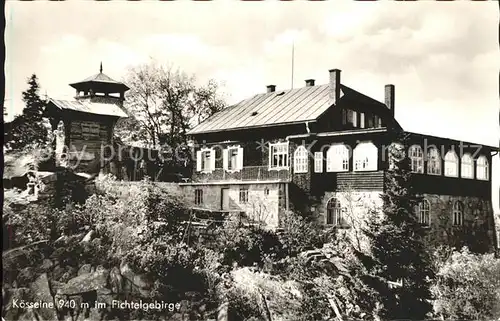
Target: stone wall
357, 205
478, 230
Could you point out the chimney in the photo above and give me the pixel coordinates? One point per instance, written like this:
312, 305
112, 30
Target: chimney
309, 82
271, 88
389, 97
334, 85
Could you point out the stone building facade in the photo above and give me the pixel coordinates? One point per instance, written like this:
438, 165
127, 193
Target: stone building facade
323, 151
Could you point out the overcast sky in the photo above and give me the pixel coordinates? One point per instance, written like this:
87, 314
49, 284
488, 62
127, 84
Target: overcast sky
442, 57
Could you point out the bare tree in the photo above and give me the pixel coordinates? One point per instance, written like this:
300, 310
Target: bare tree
356, 218
164, 104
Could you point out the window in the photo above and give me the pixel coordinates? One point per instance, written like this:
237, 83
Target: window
232, 158
90, 130
318, 162
365, 157
451, 164
266, 191
482, 168
300, 160
417, 159
458, 213
362, 120
424, 209
467, 166
433, 162
243, 195
198, 196
337, 158
334, 212
278, 155
349, 117
369, 121
354, 118
205, 160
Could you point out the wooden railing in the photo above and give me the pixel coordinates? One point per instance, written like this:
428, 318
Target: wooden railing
248, 173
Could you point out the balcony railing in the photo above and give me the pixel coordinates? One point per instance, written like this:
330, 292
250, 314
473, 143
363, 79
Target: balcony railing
248, 173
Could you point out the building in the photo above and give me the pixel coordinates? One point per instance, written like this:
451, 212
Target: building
322, 150
84, 125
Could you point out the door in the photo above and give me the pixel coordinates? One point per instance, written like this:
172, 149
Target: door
225, 199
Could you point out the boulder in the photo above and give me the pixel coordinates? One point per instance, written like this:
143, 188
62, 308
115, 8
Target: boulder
116, 280
88, 237
9, 295
139, 282
85, 283
40, 291
84, 269
26, 276
46, 265
58, 272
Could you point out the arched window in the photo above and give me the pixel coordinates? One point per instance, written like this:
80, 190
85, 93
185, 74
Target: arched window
300, 160
467, 168
451, 164
458, 213
337, 158
334, 212
416, 156
433, 161
482, 169
365, 157
424, 215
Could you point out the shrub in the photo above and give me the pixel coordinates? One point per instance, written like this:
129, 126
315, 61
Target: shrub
467, 286
299, 234
248, 246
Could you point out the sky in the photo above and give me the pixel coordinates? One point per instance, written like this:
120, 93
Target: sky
442, 57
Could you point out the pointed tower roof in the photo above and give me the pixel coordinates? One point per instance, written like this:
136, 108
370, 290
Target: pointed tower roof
100, 82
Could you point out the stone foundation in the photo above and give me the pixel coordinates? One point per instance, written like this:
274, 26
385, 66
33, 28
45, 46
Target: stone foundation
265, 200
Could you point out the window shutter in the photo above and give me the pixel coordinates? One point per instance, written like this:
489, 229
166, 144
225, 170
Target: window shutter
225, 155
212, 159
240, 158
198, 161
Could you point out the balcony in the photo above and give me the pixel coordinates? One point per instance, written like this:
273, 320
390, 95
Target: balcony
247, 174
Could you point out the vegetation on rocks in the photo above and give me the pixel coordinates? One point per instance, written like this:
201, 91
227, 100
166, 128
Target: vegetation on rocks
137, 246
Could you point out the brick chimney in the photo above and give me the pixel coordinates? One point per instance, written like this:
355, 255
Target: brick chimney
309, 82
271, 88
389, 97
334, 85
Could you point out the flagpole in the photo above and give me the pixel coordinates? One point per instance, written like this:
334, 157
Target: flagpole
293, 56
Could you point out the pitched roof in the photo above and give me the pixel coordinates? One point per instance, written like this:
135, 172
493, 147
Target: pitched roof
279, 107
100, 78
90, 107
